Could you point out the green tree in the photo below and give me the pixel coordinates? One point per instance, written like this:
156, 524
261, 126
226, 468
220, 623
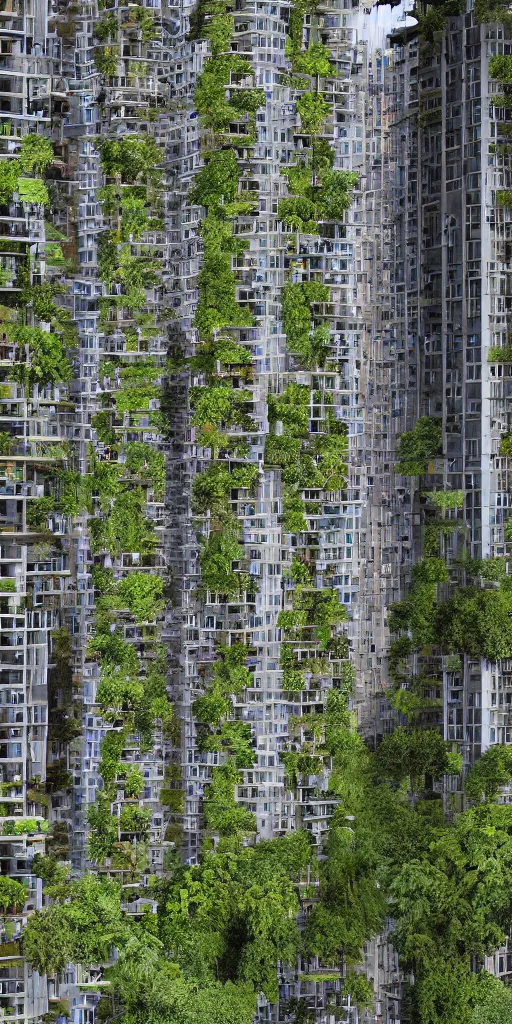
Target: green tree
492, 770
496, 1006
312, 110
36, 153
478, 622
13, 895
83, 930
143, 595
33, 190
216, 560
217, 182
412, 754
221, 811
418, 446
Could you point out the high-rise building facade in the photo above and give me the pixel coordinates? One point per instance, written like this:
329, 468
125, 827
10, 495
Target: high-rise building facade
245, 248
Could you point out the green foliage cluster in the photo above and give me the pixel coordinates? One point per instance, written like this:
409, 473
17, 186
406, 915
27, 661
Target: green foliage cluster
107, 28
221, 928
307, 460
222, 812
45, 361
492, 11
313, 61
474, 620
317, 192
38, 510
218, 75
143, 594
131, 157
307, 335
220, 406
106, 60
500, 355
230, 676
217, 306
446, 499
312, 110
36, 153
219, 30
314, 615
492, 770
126, 527
211, 489
148, 463
417, 447
13, 895
500, 67
217, 555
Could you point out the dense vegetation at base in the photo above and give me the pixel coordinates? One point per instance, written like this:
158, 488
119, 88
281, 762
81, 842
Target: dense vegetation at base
222, 926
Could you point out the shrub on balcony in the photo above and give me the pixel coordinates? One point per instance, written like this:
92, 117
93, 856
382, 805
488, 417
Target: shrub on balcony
298, 322
294, 520
418, 446
111, 649
126, 528
13, 895
143, 595
446, 499
500, 67
314, 61
33, 190
222, 813
9, 174
148, 463
36, 153
7, 585
211, 489
291, 619
506, 445
210, 93
117, 691
247, 100
131, 157
48, 363
107, 28
281, 451
219, 30
106, 60
312, 110
500, 355
217, 306
299, 213
38, 510
213, 706
136, 820
174, 799
216, 558
292, 408
102, 830
220, 405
